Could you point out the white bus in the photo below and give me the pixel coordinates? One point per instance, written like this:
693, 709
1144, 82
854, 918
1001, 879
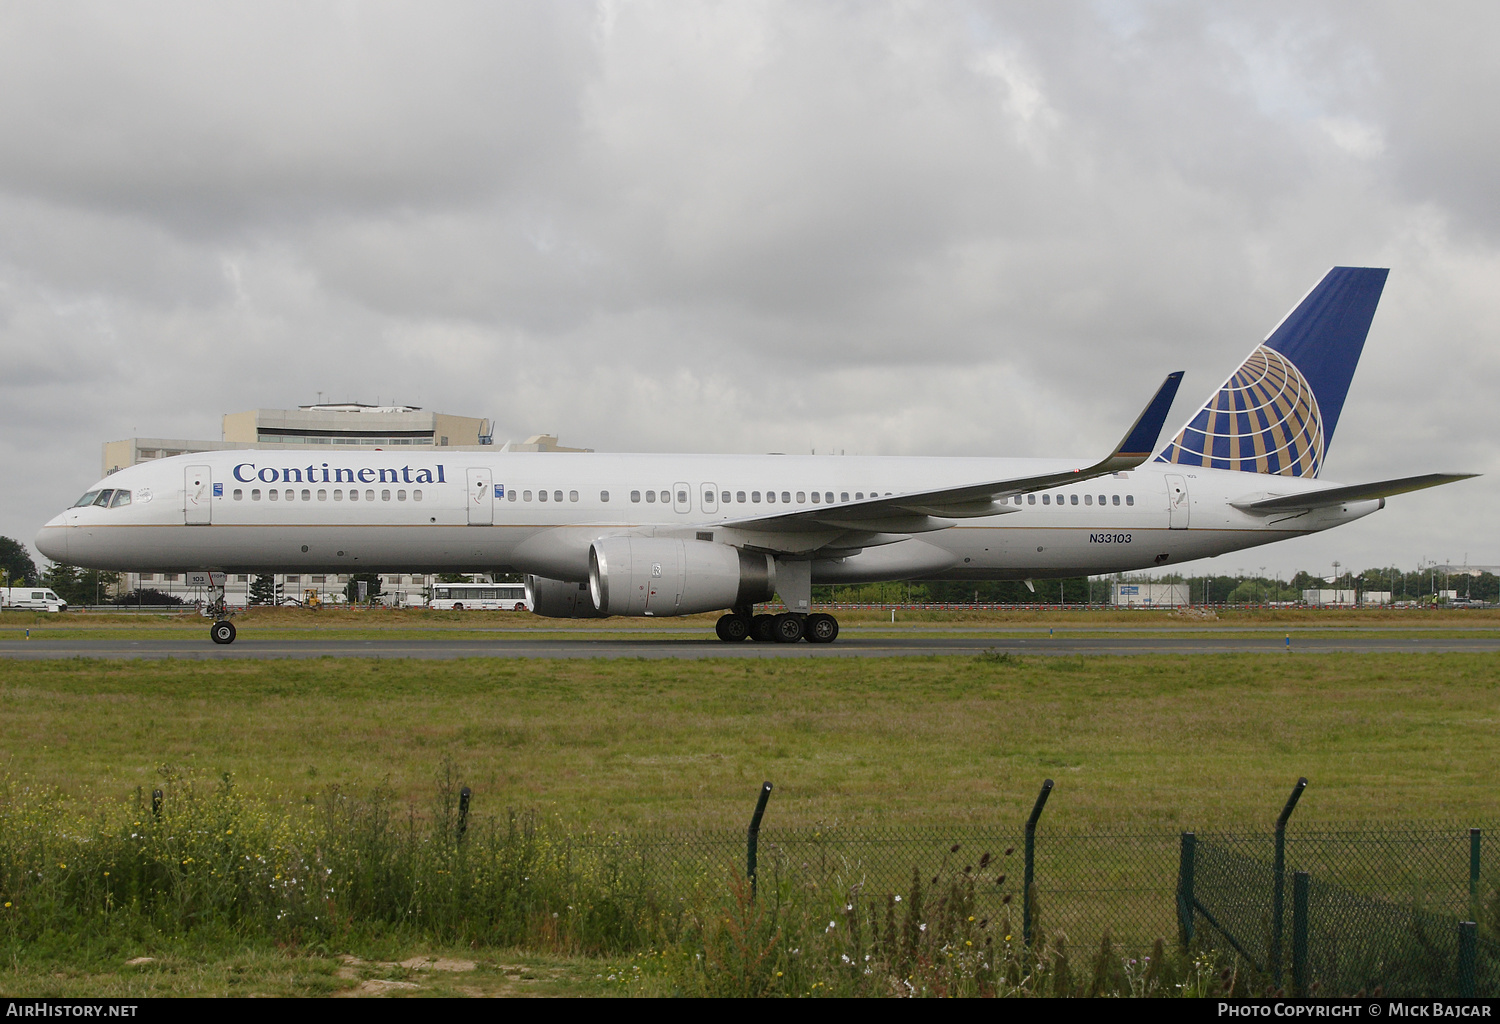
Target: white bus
32, 599
510, 597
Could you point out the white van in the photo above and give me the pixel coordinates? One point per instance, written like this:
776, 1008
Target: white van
31, 599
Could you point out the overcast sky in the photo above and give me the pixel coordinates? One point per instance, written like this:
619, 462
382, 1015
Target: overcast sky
919, 229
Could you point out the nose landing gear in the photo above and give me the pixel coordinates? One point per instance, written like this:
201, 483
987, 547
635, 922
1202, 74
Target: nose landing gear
222, 631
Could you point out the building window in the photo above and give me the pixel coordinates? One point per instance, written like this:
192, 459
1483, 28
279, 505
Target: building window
147, 577
242, 579
239, 495
294, 579
443, 442
319, 579
169, 577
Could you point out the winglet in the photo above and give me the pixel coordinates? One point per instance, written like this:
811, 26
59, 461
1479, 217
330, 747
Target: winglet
1140, 440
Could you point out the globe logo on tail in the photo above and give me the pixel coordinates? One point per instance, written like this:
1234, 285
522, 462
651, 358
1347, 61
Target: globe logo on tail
1265, 419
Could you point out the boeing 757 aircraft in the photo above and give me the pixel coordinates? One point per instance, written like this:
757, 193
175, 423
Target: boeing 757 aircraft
602, 534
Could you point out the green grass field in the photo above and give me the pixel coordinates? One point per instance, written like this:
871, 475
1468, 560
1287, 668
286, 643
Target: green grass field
1204, 741
1209, 740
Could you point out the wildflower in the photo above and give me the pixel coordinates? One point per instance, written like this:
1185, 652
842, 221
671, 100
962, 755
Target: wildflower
64, 866
968, 943
831, 926
778, 973
7, 903
898, 899
922, 927
971, 917
106, 874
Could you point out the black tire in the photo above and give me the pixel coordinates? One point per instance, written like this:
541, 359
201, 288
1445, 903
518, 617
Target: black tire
458, 606
762, 628
788, 628
520, 606
732, 628
222, 632
821, 629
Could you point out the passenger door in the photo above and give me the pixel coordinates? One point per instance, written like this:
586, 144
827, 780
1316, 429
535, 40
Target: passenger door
1178, 507
197, 496
710, 498
682, 497
481, 497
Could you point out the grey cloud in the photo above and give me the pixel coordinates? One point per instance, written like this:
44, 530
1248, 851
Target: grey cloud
881, 228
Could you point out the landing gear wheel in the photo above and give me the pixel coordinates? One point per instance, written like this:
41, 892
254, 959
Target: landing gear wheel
222, 632
732, 628
788, 628
762, 628
821, 629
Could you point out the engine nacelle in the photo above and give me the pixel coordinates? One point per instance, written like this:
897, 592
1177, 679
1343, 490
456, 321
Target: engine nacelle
558, 599
663, 576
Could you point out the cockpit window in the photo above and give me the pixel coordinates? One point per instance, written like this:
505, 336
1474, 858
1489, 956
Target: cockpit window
103, 500
87, 499
122, 497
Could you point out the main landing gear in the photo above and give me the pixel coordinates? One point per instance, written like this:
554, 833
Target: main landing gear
786, 628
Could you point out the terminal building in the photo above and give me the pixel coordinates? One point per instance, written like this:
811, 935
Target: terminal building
320, 426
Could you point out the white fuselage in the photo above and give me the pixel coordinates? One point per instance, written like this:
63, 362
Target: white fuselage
436, 511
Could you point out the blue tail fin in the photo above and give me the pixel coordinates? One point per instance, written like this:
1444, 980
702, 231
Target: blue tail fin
1276, 414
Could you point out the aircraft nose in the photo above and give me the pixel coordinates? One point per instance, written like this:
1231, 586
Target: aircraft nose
52, 541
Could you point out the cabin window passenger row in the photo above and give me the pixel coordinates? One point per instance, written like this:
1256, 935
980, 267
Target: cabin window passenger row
604, 496
635, 496
239, 495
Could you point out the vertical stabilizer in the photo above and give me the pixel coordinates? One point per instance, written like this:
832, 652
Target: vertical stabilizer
1276, 414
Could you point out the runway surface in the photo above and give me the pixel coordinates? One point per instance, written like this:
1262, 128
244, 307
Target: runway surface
645, 645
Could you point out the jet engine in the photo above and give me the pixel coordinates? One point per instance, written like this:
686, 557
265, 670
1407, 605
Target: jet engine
663, 576
559, 599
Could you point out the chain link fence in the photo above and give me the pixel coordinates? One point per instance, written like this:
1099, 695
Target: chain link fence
1408, 910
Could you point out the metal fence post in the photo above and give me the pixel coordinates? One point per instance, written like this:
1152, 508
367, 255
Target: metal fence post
1468, 949
1278, 875
1185, 890
1300, 885
1028, 892
1474, 839
753, 839
463, 812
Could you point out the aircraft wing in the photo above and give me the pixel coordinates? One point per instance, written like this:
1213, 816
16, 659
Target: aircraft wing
1330, 496
923, 511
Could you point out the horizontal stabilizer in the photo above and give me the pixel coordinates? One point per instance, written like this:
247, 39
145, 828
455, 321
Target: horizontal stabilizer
1330, 496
